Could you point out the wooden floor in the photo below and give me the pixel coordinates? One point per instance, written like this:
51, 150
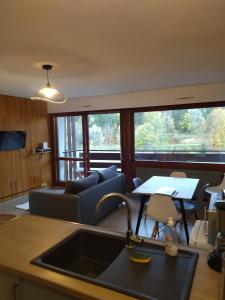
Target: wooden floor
9, 206
13, 197
115, 221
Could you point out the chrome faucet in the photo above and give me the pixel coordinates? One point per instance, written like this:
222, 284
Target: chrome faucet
131, 238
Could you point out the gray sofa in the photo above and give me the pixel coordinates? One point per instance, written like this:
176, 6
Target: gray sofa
54, 203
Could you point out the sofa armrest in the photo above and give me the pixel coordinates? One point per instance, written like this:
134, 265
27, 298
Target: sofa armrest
55, 205
91, 196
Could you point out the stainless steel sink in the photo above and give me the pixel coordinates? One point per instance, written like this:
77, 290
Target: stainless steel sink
87, 253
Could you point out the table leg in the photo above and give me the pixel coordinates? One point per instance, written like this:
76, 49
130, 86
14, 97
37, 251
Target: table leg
142, 204
184, 219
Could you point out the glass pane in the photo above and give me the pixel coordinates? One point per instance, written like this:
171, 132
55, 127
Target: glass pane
190, 135
70, 170
104, 140
70, 136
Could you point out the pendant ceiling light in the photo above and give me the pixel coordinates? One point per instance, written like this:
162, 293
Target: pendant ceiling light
48, 93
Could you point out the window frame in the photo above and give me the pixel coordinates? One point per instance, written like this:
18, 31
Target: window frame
54, 141
171, 164
127, 136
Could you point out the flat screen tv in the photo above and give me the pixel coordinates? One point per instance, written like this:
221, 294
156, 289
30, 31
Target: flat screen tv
12, 140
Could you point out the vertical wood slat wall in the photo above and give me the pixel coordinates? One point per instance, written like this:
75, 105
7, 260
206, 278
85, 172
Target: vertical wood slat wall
20, 169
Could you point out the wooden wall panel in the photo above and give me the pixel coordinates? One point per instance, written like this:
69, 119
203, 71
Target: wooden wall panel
20, 170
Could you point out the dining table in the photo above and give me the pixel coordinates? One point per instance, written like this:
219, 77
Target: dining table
183, 189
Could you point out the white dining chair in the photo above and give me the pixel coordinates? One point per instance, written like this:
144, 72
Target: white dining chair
178, 174
160, 209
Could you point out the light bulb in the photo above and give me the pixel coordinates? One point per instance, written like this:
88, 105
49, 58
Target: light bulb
48, 92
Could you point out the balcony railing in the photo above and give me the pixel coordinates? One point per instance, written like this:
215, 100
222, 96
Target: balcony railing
70, 170
182, 156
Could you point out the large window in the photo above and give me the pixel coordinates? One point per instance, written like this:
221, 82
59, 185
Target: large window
104, 140
181, 135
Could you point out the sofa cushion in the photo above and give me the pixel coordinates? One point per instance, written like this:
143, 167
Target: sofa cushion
77, 186
107, 173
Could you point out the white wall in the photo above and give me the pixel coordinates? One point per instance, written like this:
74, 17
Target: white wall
201, 93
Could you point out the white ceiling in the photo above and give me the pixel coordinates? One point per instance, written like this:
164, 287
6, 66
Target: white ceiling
100, 47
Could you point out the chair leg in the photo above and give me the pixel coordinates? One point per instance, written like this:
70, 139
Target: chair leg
158, 230
145, 213
155, 230
181, 224
196, 215
145, 216
178, 238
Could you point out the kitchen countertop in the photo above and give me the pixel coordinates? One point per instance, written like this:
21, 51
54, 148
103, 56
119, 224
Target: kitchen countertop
26, 237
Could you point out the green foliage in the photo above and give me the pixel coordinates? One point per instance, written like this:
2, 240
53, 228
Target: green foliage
216, 128
200, 129
186, 130
146, 137
186, 122
104, 131
153, 131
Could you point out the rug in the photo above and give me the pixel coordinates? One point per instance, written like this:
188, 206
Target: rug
24, 206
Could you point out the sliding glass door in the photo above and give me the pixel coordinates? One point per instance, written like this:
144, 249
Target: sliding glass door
104, 140
70, 148
85, 142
